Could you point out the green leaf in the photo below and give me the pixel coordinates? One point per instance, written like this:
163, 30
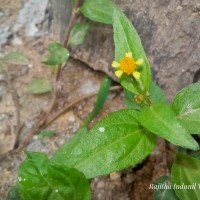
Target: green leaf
185, 173
126, 39
156, 93
57, 54
196, 155
130, 84
39, 86
79, 32
186, 104
13, 194
160, 119
101, 98
71, 144
44, 133
39, 179
98, 10
114, 143
15, 58
164, 189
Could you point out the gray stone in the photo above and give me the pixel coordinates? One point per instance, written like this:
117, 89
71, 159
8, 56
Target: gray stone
32, 14
100, 184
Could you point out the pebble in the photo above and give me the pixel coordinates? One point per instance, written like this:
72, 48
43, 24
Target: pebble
71, 118
3, 116
89, 87
80, 107
30, 65
100, 184
2, 77
35, 137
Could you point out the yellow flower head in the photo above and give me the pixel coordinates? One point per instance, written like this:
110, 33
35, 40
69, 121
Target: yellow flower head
127, 65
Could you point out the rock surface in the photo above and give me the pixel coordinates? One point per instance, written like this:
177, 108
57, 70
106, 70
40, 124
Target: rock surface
170, 33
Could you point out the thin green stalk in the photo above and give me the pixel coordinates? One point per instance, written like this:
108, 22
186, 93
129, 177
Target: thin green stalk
101, 98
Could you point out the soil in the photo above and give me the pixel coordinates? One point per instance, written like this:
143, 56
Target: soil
77, 80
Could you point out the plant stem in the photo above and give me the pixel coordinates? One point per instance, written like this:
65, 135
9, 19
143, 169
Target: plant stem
147, 100
67, 36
